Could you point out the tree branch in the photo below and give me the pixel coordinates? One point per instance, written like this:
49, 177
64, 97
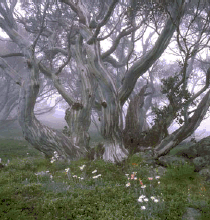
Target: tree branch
11, 72
12, 55
141, 66
68, 98
117, 40
41, 29
76, 9
103, 22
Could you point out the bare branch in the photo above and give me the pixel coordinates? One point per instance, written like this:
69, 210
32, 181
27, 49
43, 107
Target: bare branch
117, 40
41, 28
141, 66
68, 97
11, 72
46, 110
12, 5
77, 10
12, 55
67, 60
103, 22
114, 28
203, 89
56, 50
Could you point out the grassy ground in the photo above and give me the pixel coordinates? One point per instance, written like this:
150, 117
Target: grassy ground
98, 190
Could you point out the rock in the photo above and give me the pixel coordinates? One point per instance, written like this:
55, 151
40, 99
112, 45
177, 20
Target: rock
171, 160
200, 162
205, 172
191, 214
196, 154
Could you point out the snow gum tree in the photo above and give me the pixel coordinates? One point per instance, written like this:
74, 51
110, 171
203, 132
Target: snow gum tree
91, 47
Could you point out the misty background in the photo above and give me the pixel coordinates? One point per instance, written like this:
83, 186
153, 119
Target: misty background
55, 118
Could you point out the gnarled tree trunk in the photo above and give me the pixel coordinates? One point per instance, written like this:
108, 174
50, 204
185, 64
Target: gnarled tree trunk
78, 116
39, 136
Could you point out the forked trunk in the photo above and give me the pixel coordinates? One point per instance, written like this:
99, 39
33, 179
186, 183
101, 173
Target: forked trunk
41, 137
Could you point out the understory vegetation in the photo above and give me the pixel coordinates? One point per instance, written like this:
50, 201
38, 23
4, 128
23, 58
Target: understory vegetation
33, 188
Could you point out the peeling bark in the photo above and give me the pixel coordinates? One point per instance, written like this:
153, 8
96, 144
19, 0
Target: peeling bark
78, 116
39, 136
111, 108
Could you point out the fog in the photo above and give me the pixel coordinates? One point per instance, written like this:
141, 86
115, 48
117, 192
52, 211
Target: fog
55, 119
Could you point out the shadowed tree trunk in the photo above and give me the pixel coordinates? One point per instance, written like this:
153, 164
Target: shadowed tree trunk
134, 122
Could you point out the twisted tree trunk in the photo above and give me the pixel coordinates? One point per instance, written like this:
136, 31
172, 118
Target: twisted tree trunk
41, 137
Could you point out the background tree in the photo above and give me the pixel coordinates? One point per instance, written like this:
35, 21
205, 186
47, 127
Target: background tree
10, 90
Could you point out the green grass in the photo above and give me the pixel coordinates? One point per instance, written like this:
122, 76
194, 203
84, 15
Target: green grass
111, 195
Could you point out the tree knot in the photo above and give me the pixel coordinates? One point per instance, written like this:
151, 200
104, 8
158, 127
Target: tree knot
77, 106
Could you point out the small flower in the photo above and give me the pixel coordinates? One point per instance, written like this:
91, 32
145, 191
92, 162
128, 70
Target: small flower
67, 170
140, 200
82, 167
75, 176
143, 186
132, 176
134, 164
150, 178
134, 173
94, 171
156, 200
128, 184
127, 174
157, 177
143, 207
141, 182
